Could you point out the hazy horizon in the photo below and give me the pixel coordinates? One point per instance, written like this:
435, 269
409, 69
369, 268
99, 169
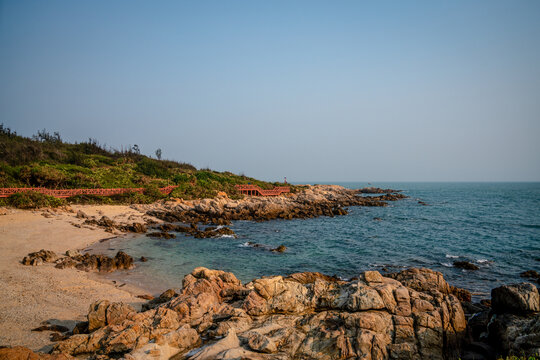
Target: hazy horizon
404, 92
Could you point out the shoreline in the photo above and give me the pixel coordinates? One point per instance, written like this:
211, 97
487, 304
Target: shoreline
34, 294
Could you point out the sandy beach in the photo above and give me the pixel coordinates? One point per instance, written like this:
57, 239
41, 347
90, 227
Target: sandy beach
31, 295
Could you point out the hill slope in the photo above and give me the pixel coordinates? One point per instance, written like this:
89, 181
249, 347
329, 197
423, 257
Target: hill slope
47, 161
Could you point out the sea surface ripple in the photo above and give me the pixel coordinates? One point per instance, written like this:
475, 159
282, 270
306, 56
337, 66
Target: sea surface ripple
494, 225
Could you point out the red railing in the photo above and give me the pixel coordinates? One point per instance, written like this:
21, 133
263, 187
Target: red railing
6, 192
255, 190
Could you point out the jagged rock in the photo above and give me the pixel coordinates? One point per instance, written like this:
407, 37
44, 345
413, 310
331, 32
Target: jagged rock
515, 335
280, 249
143, 259
313, 201
72, 253
40, 257
164, 297
518, 299
81, 328
465, 265
162, 235
303, 316
104, 313
89, 262
138, 228
81, 215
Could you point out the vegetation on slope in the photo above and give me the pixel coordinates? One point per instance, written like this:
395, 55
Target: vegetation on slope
46, 161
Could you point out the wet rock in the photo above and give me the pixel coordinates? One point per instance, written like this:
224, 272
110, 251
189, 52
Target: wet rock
531, 274
465, 265
518, 299
163, 298
161, 235
280, 249
143, 259
138, 228
103, 313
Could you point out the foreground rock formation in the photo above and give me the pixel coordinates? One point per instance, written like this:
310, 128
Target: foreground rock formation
302, 316
509, 325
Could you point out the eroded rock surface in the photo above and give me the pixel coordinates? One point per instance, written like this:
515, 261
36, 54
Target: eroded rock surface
86, 262
313, 201
302, 316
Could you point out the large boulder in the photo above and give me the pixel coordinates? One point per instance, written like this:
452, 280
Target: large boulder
304, 316
518, 299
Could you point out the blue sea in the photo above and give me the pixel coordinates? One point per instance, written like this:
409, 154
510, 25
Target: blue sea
494, 225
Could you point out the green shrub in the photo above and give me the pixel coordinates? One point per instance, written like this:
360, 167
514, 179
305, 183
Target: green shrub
33, 200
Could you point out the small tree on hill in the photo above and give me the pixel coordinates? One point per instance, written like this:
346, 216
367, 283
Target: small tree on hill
158, 154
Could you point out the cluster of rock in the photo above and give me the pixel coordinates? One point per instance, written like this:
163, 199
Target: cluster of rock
509, 324
319, 200
281, 248
85, 262
195, 231
110, 225
302, 316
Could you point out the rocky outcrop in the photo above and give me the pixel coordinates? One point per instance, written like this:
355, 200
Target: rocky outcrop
510, 327
313, 201
520, 299
110, 225
302, 316
40, 257
86, 262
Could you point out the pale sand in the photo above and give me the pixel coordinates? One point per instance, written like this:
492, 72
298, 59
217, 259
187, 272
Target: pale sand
30, 295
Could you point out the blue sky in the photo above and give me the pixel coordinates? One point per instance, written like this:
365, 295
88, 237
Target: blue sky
311, 90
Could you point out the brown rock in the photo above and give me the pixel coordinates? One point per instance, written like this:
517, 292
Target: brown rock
518, 299
303, 316
465, 265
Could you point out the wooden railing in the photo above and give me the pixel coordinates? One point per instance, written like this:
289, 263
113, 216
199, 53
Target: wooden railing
257, 191
6, 192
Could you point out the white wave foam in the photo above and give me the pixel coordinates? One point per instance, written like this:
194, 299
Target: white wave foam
450, 256
246, 244
483, 261
226, 236
447, 264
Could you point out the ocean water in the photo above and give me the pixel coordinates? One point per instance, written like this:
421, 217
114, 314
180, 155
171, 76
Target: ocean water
494, 225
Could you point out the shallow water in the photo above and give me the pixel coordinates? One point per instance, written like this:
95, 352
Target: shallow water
495, 225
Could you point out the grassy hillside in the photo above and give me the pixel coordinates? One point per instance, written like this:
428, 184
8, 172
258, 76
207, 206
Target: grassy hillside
45, 160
